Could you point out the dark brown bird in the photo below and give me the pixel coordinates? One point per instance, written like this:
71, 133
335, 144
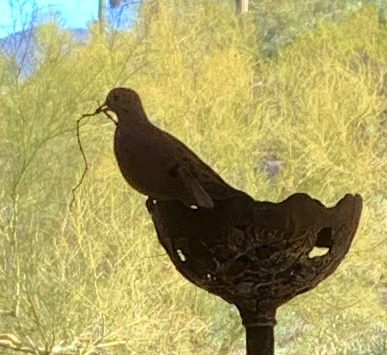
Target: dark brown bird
157, 164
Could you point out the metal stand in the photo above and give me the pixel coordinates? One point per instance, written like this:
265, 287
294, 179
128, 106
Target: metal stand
256, 254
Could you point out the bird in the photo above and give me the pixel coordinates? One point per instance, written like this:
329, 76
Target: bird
161, 167
157, 164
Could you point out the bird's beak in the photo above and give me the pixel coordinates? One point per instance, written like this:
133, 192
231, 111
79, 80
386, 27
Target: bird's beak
103, 108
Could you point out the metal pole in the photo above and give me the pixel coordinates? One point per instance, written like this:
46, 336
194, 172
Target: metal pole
259, 340
242, 6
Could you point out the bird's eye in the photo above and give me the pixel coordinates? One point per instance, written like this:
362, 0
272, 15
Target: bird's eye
115, 98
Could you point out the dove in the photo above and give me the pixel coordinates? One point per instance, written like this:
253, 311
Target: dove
157, 164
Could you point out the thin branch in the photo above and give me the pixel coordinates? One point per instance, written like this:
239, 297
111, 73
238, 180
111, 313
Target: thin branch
97, 111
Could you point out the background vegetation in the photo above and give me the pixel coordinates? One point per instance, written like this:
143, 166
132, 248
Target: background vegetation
304, 86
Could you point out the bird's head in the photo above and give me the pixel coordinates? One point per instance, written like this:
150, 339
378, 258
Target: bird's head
123, 102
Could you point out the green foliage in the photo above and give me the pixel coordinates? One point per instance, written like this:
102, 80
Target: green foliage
96, 277
278, 23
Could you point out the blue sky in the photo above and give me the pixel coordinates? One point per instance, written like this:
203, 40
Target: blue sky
74, 13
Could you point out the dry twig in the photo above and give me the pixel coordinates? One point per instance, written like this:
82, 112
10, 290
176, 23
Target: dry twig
96, 112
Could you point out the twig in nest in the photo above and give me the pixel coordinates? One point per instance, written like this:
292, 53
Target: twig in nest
97, 111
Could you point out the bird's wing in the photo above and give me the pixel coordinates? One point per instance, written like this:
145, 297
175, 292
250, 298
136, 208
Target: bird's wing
195, 188
194, 169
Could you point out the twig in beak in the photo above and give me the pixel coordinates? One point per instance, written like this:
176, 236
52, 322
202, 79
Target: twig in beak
101, 108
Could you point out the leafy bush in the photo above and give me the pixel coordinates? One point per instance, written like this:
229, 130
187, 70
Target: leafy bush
95, 277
